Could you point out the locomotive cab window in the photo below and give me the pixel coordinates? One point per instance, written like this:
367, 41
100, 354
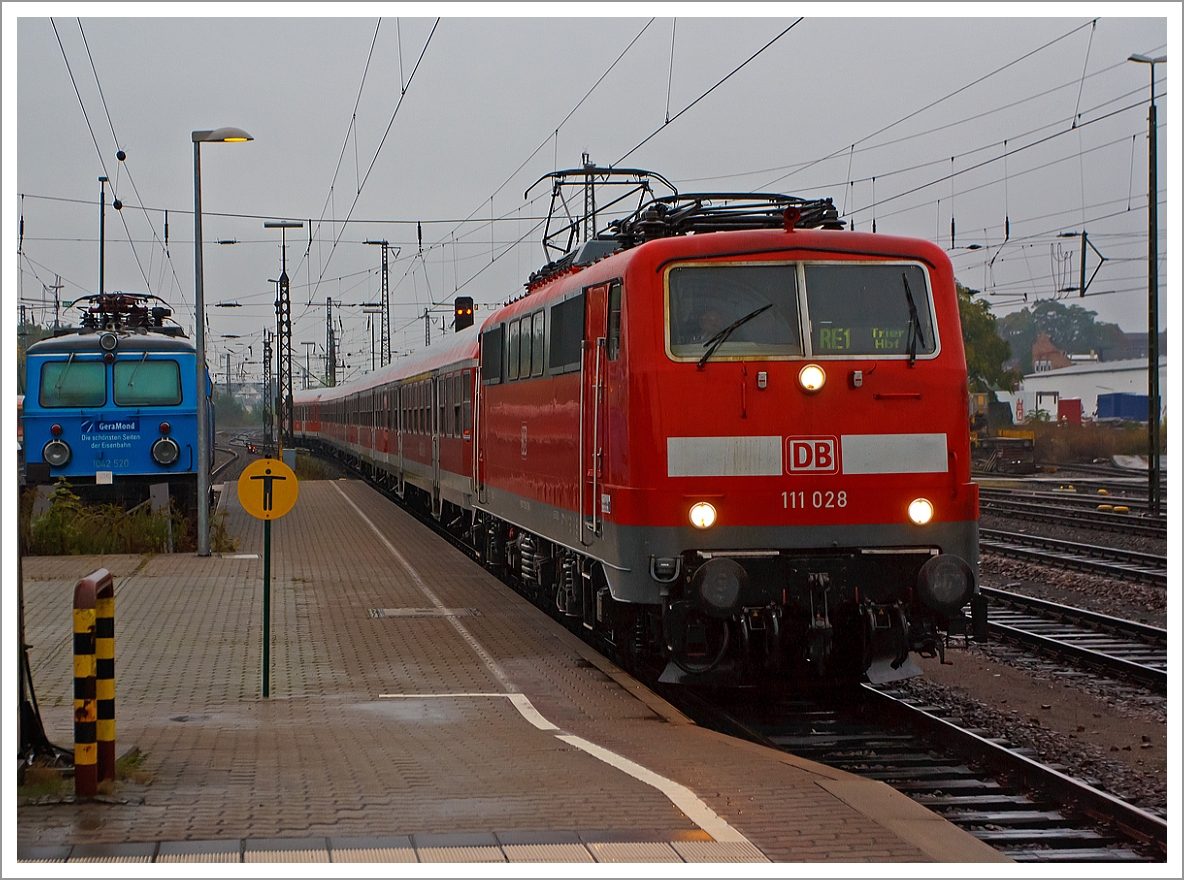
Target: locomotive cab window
73, 383
735, 310
869, 310
143, 382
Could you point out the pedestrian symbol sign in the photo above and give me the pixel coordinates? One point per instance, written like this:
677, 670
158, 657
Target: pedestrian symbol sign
267, 489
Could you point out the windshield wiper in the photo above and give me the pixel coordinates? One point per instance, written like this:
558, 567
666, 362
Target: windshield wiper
721, 337
131, 380
915, 331
57, 386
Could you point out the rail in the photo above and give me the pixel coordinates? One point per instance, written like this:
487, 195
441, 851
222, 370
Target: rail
1113, 645
1124, 564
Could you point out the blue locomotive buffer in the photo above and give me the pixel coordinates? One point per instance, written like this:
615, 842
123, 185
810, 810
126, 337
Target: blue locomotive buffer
114, 412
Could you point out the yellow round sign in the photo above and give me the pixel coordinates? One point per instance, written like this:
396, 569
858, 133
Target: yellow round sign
267, 488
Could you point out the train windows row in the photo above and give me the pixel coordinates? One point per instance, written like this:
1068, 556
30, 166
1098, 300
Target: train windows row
411, 408
519, 349
83, 383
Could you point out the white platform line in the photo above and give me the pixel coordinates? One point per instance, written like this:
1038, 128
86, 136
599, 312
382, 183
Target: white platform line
489, 662
679, 795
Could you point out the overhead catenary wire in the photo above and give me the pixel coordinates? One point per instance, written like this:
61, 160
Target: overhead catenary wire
936, 102
728, 76
131, 179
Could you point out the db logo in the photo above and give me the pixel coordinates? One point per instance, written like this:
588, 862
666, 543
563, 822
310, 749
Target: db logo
814, 455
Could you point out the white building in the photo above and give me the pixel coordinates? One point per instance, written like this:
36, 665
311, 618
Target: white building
1085, 382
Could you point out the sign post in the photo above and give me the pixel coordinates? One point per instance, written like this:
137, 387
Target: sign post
267, 490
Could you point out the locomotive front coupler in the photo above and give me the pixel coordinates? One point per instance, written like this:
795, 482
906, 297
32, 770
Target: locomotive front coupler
888, 640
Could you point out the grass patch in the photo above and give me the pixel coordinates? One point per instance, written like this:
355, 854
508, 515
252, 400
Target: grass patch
40, 782
70, 527
130, 768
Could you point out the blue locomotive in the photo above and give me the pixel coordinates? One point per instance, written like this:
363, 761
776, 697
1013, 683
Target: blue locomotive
111, 405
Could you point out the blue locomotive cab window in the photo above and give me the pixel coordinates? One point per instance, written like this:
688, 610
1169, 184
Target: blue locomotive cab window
73, 383
147, 383
739, 311
869, 310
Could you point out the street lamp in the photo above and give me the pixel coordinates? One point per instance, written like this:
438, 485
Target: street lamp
219, 136
1153, 500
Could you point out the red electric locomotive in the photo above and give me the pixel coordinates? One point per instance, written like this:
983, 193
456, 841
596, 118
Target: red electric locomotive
726, 435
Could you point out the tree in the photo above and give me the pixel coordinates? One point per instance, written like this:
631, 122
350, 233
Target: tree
986, 352
1071, 329
229, 413
26, 335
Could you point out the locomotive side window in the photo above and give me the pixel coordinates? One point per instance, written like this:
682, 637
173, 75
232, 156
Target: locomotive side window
524, 348
73, 383
513, 352
491, 355
147, 383
536, 368
869, 309
742, 310
613, 346
567, 334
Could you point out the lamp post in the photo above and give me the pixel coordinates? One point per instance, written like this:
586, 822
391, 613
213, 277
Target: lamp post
204, 440
1153, 499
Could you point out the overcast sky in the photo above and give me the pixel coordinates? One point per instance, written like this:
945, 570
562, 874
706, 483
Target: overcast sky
1020, 128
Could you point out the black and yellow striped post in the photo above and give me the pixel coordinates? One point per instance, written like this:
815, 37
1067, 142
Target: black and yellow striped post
85, 716
105, 671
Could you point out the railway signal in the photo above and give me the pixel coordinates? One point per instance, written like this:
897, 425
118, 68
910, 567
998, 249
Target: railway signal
464, 312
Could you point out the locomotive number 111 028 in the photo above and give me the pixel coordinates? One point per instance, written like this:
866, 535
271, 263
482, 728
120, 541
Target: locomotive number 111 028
817, 500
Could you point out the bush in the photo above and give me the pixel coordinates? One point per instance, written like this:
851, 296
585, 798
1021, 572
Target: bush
1085, 443
310, 468
70, 527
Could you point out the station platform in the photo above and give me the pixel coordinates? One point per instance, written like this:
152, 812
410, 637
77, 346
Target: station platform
419, 711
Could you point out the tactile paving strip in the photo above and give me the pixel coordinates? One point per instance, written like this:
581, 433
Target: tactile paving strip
547, 852
633, 852
461, 854
375, 854
715, 852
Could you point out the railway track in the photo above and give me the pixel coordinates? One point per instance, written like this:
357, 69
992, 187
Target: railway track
1114, 646
1069, 497
1096, 470
1085, 514
1147, 568
1002, 795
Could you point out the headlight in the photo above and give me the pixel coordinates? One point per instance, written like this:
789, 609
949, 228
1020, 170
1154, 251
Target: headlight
811, 377
165, 451
702, 515
920, 511
57, 453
